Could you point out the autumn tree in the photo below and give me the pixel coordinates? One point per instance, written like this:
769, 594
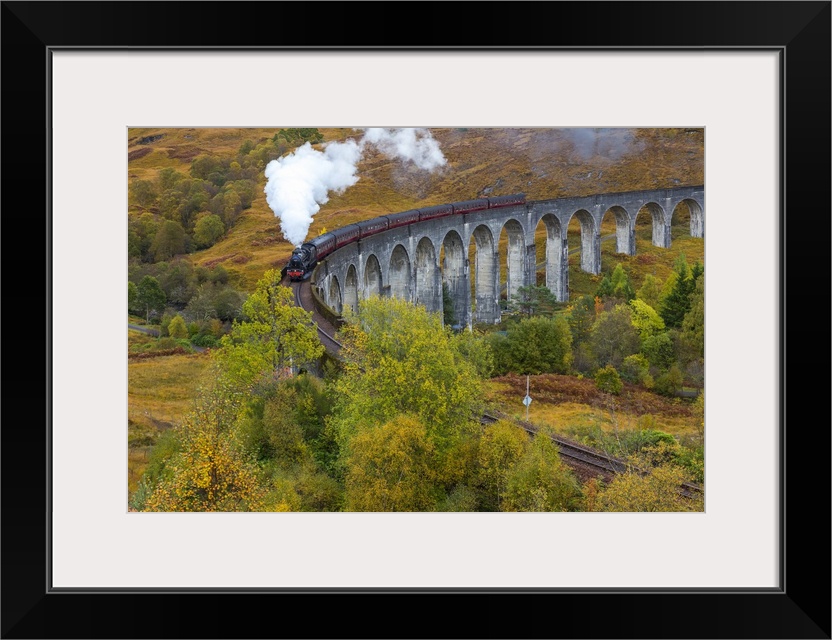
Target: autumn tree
650, 292
246, 190
169, 241
245, 148
699, 414
132, 298
284, 434
168, 177
501, 446
539, 481
177, 327
604, 289
475, 348
208, 229
620, 283
301, 488
275, 335
288, 423
390, 468
500, 349
531, 300
178, 281
692, 336
142, 231
654, 490
150, 298
659, 350
143, 192
209, 475
201, 306
204, 165
670, 381
645, 319
209, 472
230, 207
581, 317
616, 285
635, 368
540, 345
608, 380
614, 337
283, 428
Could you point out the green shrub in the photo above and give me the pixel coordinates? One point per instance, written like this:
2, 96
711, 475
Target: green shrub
140, 435
206, 340
659, 350
164, 323
635, 368
693, 459
141, 494
668, 383
461, 498
166, 343
177, 328
608, 380
167, 446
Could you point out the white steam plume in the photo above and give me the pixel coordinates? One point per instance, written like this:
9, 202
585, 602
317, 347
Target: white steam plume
416, 145
300, 182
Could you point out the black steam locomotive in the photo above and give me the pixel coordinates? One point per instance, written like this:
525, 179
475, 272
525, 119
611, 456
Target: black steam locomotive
306, 256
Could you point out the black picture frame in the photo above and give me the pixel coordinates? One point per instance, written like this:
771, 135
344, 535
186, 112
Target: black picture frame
800, 608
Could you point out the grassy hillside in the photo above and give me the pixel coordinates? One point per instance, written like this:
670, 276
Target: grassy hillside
570, 405
160, 393
544, 163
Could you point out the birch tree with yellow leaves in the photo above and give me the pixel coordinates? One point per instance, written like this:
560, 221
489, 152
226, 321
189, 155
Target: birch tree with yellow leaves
275, 335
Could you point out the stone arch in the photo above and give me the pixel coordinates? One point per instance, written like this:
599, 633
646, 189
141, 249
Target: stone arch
661, 230
351, 289
590, 241
454, 275
624, 238
399, 273
333, 296
554, 256
515, 256
372, 277
697, 218
426, 276
486, 278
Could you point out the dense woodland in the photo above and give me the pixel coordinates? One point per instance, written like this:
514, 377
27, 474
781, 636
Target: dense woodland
235, 406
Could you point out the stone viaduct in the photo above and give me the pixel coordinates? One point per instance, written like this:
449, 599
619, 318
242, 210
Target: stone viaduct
405, 262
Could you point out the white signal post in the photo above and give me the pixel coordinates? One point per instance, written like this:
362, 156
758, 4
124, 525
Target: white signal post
528, 399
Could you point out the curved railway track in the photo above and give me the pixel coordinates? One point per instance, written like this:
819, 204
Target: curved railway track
587, 463
303, 298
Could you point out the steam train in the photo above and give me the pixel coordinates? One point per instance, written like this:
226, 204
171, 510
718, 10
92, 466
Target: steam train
306, 256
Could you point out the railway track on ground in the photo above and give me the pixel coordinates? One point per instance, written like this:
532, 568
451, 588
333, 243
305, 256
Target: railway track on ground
585, 462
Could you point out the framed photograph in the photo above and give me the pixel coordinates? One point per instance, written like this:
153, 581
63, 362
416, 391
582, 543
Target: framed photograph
88, 84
